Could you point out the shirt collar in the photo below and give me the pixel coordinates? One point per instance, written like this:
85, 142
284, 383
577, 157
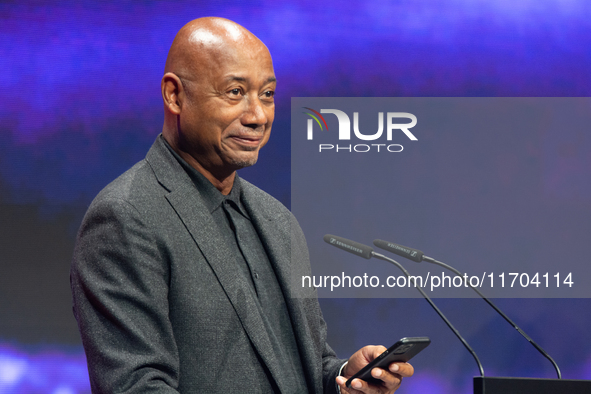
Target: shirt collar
212, 196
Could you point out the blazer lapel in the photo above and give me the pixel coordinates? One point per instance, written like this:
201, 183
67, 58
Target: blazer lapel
187, 203
289, 266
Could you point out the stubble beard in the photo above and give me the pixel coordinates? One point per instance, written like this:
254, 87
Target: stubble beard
243, 163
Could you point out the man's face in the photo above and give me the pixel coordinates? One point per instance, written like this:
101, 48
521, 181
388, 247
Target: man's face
229, 107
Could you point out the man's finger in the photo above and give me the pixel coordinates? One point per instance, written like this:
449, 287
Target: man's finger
389, 379
375, 351
403, 369
357, 386
341, 381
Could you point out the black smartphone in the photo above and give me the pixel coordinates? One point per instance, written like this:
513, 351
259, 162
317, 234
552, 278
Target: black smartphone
403, 350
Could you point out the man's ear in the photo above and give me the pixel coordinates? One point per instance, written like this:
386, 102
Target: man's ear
172, 93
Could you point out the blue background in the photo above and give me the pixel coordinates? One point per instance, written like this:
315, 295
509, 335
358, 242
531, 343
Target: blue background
80, 103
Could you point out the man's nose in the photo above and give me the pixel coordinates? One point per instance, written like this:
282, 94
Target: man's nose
254, 115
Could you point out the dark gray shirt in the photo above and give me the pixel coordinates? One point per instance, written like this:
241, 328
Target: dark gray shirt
252, 259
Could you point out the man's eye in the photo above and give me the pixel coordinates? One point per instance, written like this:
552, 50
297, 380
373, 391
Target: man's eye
269, 94
235, 92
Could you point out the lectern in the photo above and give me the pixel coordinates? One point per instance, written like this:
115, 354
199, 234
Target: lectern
495, 385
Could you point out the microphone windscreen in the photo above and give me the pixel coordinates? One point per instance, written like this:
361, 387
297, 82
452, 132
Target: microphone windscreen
409, 253
349, 246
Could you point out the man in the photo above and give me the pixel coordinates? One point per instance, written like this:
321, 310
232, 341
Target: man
182, 272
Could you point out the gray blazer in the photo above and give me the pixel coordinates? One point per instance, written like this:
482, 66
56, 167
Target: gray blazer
158, 307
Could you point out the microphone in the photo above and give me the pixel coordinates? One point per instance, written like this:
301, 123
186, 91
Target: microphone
403, 251
418, 256
349, 246
367, 252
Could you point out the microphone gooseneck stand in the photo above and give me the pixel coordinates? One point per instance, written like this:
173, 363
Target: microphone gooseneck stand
418, 256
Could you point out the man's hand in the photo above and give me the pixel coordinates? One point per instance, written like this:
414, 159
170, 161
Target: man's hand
390, 378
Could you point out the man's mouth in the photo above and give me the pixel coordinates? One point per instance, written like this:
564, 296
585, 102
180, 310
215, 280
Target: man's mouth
248, 140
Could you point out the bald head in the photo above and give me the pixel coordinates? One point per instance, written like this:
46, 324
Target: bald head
205, 42
218, 91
